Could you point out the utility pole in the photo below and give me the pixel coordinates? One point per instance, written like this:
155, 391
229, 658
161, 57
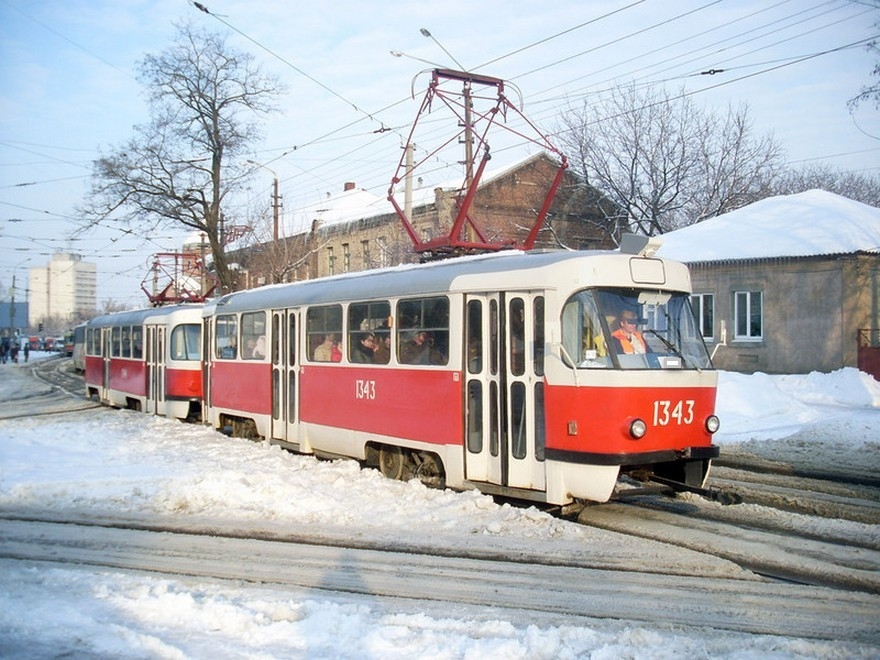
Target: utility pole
276, 199
276, 205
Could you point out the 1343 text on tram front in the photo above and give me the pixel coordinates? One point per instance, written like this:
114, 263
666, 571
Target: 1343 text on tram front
673, 412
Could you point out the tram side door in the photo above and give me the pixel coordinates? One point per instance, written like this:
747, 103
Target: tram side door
155, 359
483, 389
285, 376
150, 349
504, 392
105, 352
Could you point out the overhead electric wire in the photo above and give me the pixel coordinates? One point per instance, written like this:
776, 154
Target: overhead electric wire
618, 40
558, 34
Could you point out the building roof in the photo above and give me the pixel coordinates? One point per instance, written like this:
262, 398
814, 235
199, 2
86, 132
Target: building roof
812, 223
357, 203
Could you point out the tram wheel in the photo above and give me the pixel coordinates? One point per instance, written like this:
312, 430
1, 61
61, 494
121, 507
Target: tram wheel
430, 470
392, 461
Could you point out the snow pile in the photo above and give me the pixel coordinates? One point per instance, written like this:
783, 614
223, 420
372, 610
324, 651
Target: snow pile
763, 407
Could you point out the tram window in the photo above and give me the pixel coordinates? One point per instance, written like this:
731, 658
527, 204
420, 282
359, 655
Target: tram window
291, 396
423, 331
474, 336
115, 341
494, 439
291, 340
277, 338
186, 342
583, 339
538, 336
517, 337
518, 424
226, 337
253, 336
137, 342
475, 417
493, 338
92, 346
324, 330
540, 436
369, 332
126, 342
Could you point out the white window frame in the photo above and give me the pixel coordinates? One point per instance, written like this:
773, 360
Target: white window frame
698, 301
744, 303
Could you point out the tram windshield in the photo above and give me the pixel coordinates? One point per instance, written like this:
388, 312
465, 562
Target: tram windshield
631, 329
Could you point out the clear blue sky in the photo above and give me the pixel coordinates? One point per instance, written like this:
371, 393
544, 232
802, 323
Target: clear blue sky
68, 91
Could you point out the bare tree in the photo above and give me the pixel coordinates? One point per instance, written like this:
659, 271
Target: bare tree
870, 93
267, 261
860, 187
180, 168
663, 162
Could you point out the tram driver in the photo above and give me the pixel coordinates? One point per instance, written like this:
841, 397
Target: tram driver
627, 339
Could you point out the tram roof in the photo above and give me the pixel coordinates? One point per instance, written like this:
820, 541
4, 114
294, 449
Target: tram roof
138, 316
459, 274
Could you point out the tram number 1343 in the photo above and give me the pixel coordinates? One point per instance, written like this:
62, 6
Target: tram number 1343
673, 412
365, 389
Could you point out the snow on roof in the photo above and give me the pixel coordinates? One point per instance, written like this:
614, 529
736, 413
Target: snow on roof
348, 205
357, 203
808, 224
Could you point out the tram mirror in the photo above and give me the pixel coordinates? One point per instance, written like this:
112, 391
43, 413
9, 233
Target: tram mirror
654, 298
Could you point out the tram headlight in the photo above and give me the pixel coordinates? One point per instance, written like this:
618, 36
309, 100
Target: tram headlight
638, 428
712, 423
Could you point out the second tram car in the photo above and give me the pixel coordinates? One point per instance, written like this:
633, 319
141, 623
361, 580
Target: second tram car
147, 360
507, 372
78, 348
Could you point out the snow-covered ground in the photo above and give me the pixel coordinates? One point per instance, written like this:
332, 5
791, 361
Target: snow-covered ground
105, 463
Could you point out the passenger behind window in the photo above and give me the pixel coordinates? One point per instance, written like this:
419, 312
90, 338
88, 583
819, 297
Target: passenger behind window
363, 348
419, 350
328, 350
382, 355
255, 349
229, 351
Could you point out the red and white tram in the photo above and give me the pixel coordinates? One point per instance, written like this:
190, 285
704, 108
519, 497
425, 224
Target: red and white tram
147, 360
500, 372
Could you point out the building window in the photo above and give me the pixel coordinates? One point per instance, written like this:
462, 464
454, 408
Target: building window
365, 254
346, 258
383, 252
331, 262
748, 311
704, 310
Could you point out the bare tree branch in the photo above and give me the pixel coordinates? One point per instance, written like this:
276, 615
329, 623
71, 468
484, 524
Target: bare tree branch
181, 167
664, 162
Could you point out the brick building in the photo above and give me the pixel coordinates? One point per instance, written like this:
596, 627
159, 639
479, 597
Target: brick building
356, 230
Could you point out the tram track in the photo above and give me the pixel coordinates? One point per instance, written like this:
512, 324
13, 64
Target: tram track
717, 602
58, 390
840, 549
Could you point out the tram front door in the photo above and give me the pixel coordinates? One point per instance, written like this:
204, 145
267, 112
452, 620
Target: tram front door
504, 442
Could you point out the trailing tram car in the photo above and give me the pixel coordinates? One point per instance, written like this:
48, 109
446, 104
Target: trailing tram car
503, 372
147, 360
78, 348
